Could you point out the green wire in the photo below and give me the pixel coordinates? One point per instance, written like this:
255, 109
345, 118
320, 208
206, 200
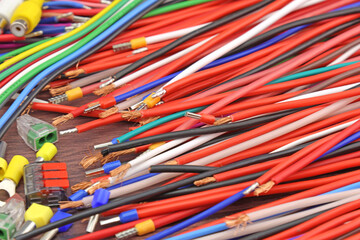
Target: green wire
155, 12
310, 72
75, 47
76, 36
174, 7
156, 123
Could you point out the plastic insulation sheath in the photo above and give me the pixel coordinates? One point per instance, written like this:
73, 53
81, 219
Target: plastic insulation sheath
192, 132
134, 198
50, 77
189, 36
180, 168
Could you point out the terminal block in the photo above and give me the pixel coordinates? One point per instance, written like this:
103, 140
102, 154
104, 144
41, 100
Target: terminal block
45, 183
36, 132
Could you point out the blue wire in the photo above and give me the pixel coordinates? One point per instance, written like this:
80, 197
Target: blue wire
62, 4
133, 180
133, 13
215, 63
222, 226
199, 216
221, 61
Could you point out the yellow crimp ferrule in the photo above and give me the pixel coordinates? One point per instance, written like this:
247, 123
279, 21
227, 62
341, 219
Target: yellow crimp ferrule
3, 167
145, 227
15, 169
47, 151
42, 46
150, 101
39, 214
74, 93
156, 145
29, 11
138, 43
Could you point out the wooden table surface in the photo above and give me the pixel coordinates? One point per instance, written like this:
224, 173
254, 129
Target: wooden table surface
73, 147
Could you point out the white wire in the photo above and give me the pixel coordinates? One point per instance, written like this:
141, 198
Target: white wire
325, 112
238, 41
27, 70
314, 136
171, 35
345, 55
264, 225
158, 64
168, 155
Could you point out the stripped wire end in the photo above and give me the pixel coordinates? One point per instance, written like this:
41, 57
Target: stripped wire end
171, 162
90, 160
74, 73
58, 99
141, 106
62, 119
46, 88
121, 46
204, 181
27, 109
145, 121
102, 145
92, 107
204, 118
264, 188
109, 112
58, 91
34, 34
120, 171
223, 121
70, 204
80, 186
115, 155
102, 184
71, 130
130, 115
159, 93
242, 220
107, 81
104, 90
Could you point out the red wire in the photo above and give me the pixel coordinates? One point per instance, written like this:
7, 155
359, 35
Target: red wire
353, 237
49, 107
332, 223
185, 202
10, 38
325, 186
305, 226
234, 27
315, 154
340, 230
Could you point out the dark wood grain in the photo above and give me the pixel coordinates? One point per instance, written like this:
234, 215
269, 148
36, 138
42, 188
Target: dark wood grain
73, 147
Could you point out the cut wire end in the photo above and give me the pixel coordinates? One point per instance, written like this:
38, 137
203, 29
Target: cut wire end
192, 115
102, 145
92, 108
107, 81
110, 220
159, 93
127, 234
251, 188
71, 130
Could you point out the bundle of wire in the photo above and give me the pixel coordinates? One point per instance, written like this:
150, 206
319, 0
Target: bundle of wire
233, 99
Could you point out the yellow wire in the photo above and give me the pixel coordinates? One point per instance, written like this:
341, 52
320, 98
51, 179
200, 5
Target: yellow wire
40, 47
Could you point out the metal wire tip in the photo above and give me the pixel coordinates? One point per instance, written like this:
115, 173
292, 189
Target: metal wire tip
71, 130
251, 188
107, 81
92, 108
141, 106
159, 93
103, 145
127, 234
122, 46
58, 99
110, 220
94, 219
192, 115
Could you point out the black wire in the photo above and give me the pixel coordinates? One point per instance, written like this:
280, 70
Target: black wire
179, 168
194, 132
293, 51
271, 33
280, 228
193, 34
254, 160
189, 190
57, 72
147, 194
